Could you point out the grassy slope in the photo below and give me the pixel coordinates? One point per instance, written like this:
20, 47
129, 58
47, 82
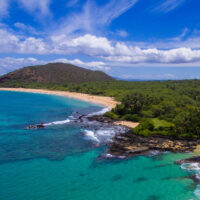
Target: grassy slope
161, 123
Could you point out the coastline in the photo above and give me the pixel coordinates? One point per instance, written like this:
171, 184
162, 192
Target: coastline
104, 101
128, 144
108, 102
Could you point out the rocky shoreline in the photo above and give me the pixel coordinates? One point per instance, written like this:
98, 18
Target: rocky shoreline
128, 144
194, 159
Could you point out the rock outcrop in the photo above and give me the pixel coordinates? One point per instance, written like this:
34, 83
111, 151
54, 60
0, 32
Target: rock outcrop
129, 144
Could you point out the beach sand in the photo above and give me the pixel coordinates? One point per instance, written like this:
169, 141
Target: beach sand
127, 123
100, 100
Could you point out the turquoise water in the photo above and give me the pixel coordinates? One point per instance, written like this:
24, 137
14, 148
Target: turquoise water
60, 163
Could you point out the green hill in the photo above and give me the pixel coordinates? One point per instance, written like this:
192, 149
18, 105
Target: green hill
54, 73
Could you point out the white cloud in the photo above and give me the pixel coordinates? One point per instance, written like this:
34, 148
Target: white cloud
38, 6
166, 76
8, 42
25, 28
86, 44
33, 45
94, 18
173, 56
102, 48
4, 4
113, 10
93, 64
122, 33
8, 64
169, 5
97, 47
11, 43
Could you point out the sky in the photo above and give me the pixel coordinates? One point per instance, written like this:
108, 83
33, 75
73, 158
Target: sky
128, 39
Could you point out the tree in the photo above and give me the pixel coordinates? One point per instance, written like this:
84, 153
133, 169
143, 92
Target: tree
135, 102
188, 122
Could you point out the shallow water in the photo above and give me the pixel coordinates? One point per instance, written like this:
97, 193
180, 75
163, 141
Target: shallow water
60, 162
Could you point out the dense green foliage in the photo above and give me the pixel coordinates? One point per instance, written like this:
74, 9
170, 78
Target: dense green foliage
169, 108
55, 73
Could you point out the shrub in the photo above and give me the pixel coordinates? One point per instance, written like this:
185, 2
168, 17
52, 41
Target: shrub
147, 124
111, 115
130, 117
146, 132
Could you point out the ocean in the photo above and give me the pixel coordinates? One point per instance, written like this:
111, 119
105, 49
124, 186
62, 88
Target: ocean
63, 162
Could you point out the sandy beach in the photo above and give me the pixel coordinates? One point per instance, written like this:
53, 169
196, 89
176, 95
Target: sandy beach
127, 123
100, 100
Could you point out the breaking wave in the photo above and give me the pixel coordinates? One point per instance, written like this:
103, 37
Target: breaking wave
193, 168
71, 118
97, 132
101, 112
103, 135
58, 122
90, 135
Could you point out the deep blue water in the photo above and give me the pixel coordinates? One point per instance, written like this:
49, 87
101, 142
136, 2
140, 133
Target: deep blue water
61, 161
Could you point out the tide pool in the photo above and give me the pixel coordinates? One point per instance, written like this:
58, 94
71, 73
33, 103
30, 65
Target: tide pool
61, 162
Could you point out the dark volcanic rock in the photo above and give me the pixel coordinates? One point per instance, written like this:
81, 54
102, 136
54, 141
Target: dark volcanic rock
100, 118
130, 144
38, 126
194, 159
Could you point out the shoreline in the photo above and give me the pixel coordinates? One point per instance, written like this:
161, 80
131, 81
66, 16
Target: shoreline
108, 102
129, 145
104, 101
123, 145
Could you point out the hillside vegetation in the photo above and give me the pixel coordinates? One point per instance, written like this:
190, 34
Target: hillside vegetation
167, 108
54, 73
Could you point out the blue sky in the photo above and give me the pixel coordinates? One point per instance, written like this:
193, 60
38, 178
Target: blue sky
134, 39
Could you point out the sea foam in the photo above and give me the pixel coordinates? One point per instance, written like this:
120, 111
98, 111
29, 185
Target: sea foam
90, 135
193, 168
58, 122
103, 135
101, 112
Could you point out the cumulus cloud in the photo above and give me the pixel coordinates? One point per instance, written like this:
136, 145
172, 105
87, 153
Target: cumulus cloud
8, 41
97, 47
11, 43
102, 48
87, 44
8, 64
137, 55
